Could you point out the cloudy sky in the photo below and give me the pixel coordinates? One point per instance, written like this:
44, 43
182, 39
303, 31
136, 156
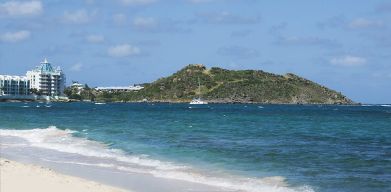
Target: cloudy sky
342, 44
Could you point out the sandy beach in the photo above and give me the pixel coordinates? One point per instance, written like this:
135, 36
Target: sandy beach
15, 177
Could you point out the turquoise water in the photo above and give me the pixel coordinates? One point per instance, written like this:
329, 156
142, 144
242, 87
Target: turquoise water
311, 147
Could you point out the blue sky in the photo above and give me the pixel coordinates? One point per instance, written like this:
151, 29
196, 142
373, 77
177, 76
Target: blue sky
342, 44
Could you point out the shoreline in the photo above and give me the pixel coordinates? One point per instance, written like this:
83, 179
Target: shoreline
103, 168
186, 102
63, 153
16, 176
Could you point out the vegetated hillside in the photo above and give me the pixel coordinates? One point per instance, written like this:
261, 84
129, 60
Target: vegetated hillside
243, 86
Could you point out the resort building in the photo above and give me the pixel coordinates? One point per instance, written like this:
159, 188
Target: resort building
47, 80
14, 85
78, 86
44, 80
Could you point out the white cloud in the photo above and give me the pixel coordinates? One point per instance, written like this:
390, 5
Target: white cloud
78, 16
21, 8
348, 60
361, 23
137, 2
76, 67
123, 50
355, 24
15, 36
145, 23
95, 38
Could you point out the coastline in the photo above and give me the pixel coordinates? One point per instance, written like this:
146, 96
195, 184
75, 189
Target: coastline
183, 102
16, 176
63, 153
100, 166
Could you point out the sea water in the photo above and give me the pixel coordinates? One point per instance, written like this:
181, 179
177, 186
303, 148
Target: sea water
234, 147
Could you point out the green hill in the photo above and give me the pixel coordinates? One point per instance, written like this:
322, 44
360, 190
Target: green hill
221, 85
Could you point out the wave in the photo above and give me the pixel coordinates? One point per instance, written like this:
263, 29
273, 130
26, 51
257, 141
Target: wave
375, 105
64, 141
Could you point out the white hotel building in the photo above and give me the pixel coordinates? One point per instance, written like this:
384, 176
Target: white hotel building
48, 81
14, 85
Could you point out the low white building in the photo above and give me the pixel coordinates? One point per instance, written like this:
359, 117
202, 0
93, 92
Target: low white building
47, 80
78, 85
122, 89
14, 85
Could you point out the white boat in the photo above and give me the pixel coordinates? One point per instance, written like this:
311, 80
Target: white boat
198, 101
97, 103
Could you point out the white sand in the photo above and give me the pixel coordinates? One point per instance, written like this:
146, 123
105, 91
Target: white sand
15, 177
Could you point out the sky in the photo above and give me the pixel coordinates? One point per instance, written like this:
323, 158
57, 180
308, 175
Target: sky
342, 44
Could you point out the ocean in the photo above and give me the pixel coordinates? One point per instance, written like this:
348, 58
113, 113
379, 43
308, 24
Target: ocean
232, 147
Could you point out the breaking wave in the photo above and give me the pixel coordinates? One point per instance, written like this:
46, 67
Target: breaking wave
64, 141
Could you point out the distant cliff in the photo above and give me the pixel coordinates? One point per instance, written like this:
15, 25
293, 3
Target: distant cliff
238, 86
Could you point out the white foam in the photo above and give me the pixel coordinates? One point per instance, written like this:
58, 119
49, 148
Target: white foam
63, 141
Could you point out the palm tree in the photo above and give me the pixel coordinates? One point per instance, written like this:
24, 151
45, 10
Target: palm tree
35, 91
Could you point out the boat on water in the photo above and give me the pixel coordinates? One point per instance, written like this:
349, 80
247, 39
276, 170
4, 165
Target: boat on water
198, 101
98, 103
